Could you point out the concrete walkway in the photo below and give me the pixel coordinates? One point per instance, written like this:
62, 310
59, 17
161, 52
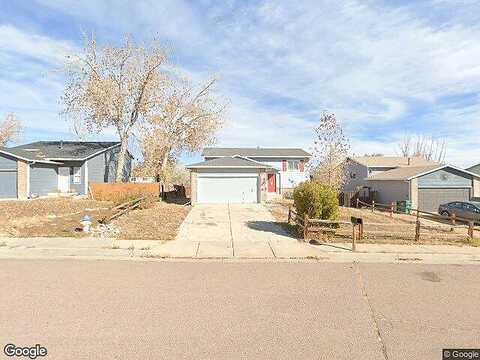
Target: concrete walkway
234, 230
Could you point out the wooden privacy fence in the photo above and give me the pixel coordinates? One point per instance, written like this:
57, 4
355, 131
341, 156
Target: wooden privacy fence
327, 228
452, 219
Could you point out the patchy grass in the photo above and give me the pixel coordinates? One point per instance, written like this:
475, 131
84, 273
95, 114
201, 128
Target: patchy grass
61, 218
159, 222
381, 228
48, 217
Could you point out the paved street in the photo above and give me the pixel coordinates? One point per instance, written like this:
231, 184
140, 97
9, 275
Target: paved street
216, 310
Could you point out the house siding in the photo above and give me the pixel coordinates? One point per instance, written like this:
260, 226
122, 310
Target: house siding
445, 178
7, 162
103, 167
43, 179
78, 188
360, 171
390, 191
285, 179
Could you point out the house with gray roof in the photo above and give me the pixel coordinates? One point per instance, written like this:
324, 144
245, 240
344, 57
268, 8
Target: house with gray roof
46, 167
427, 184
246, 175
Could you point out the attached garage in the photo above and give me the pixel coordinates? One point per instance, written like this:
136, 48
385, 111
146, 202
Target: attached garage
429, 199
8, 177
229, 180
223, 188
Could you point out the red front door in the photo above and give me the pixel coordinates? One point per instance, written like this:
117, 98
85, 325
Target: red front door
272, 185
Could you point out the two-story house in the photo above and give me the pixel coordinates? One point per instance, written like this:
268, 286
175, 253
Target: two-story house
246, 175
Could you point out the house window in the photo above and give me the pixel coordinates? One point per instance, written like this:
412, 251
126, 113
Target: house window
293, 165
77, 175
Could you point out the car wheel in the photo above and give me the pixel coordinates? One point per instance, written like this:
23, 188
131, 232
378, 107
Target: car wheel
445, 213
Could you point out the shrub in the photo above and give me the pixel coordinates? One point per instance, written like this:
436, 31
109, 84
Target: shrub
316, 200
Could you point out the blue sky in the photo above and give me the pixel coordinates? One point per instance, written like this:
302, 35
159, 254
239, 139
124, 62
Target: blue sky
385, 68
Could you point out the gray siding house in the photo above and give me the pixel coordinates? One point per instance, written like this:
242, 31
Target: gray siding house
426, 184
45, 167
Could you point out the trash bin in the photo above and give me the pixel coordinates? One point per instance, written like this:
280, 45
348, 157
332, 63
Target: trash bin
404, 206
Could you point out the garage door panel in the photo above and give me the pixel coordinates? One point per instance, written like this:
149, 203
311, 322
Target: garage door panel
429, 199
8, 184
227, 189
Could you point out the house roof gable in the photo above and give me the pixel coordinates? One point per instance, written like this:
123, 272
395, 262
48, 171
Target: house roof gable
411, 172
229, 162
392, 161
256, 152
60, 150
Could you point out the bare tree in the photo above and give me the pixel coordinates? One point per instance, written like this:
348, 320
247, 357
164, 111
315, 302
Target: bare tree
188, 121
330, 152
115, 86
429, 148
10, 129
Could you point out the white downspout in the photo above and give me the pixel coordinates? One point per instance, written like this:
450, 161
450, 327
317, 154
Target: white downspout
86, 177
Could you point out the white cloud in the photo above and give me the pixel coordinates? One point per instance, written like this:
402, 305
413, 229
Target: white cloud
282, 63
42, 48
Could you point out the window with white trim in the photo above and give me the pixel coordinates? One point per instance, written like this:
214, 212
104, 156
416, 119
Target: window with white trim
77, 175
293, 165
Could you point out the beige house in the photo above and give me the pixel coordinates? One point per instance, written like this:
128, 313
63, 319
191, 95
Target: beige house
426, 184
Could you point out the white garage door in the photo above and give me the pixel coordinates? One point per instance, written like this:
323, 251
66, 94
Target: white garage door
227, 189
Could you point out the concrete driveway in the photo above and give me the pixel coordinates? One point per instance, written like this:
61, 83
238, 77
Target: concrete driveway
239, 230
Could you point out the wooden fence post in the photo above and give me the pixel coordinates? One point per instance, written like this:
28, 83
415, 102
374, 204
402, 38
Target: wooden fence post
453, 217
392, 207
305, 227
417, 229
354, 236
289, 215
361, 230
373, 205
470, 230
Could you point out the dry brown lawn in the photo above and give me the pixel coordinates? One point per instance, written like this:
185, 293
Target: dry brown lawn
61, 218
48, 217
380, 227
158, 222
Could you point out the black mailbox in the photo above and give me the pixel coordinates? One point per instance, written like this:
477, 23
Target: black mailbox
356, 221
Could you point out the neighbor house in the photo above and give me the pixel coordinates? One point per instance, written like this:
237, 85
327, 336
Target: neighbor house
46, 167
475, 169
246, 175
426, 184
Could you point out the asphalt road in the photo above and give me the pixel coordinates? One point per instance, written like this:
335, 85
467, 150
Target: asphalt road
171, 310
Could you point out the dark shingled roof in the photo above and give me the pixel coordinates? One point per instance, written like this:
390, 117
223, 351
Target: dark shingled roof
59, 150
256, 152
226, 162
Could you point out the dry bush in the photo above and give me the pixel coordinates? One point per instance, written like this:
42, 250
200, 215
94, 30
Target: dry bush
120, 193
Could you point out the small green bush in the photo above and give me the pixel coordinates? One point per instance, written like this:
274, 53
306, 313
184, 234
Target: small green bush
316, 200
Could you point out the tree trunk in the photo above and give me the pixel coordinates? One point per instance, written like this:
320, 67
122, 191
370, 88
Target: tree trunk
122, 155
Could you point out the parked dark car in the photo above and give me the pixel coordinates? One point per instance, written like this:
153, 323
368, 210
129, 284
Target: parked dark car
467, 210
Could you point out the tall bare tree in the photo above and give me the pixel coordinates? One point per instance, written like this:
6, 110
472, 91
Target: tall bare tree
429, 148
188, 121
331, 148
115, 86
10, 129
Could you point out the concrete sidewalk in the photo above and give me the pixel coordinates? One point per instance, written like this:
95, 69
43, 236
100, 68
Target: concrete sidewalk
95, 248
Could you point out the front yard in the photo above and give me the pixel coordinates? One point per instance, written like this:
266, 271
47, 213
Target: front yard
381, 228
61, 218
